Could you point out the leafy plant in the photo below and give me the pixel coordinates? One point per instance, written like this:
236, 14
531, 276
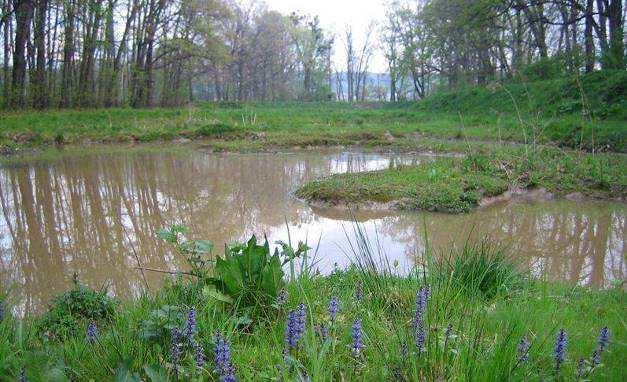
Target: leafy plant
196, 252
70, 311
160, 322
249, 276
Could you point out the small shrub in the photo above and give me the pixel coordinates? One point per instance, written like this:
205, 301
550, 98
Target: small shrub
215, 130
70, 311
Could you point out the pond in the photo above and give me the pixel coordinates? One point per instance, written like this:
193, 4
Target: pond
98, 216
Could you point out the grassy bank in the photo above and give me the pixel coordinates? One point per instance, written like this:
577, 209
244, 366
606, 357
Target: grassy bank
580, 113
458, 184
463, 320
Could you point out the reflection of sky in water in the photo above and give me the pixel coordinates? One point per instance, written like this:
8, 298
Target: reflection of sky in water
334, 242
91, 215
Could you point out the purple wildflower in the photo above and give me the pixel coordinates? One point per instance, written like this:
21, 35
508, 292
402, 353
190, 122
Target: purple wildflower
190, 325
22, 377
420, 335
91, 334
359, 291
603, 342
561, 347
175, 350
421, 302
228, 374
358, 343
596, 358
1, 310
295, 327
222, 359
199, 355
282, 299
322, 331
604, 338
523, 350
334, 307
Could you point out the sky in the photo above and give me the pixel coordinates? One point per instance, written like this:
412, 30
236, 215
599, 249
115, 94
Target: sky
335, 15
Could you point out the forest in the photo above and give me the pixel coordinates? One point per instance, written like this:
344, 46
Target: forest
147, 53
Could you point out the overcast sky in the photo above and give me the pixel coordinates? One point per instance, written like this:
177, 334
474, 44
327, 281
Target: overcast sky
335, 15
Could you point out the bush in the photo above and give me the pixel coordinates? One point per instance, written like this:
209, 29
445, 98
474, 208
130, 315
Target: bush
71, 311
215, 130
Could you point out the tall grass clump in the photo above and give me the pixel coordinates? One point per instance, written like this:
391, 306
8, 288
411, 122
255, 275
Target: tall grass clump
478, 269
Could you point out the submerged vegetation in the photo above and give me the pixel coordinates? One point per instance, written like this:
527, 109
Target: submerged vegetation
463, 316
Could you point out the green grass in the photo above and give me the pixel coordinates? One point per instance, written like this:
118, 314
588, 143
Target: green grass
458, 184
543, 112
487, 323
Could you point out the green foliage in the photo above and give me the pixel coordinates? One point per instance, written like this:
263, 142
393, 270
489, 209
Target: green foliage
196, 252
248, 275
160, 322
478, 269
458, 185
215, 130
551, 111
545, 68
70, 312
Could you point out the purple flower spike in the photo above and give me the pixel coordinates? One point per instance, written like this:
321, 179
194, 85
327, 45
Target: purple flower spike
604, 338
222, 359
359, 291
295, 326
334, 307
561, 347
190, 325
358, 343
91, 334
523, 350
175, 350
282, 299
199, 355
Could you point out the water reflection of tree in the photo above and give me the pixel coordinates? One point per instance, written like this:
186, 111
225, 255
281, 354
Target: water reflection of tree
87, 215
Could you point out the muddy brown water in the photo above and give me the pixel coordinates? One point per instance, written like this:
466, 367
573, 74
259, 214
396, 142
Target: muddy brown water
95, 215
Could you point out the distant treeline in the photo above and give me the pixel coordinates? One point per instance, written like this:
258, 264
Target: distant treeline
433, 44
102, 53
142, 53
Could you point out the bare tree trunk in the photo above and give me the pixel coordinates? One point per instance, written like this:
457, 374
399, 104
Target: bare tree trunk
86, 72
67, 71
40, 86
588, 36
7, 32
616, 59
23, 15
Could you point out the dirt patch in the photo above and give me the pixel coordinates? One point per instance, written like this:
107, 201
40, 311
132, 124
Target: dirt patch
518, 194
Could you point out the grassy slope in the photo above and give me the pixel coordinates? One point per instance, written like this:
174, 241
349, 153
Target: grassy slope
457, 185
544, 111
483, 345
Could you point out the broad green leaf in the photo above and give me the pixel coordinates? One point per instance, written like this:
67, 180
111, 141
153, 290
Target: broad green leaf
212, 292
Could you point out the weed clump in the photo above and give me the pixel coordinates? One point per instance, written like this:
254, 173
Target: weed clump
479, 269
72, 311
